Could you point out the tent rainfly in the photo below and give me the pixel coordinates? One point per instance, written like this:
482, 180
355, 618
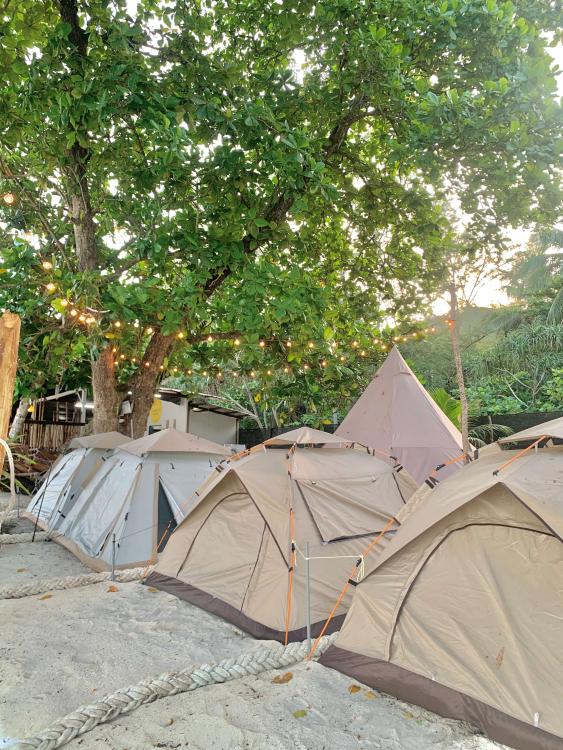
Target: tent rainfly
397, 416
69, 474
462, 612
136, 497
239, 552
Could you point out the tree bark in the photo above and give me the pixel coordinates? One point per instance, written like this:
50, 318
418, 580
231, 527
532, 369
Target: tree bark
107, 398
460, 379
144, 382
19, 419
9, 343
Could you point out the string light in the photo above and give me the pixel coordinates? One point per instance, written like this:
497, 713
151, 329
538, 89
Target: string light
306, 367
114, 348
47, 265
90, 320
363, 353
149, 331
189, 372
9, 199
162, 367
74, 312
81, 318
268, 372
262, 344
64, 303
122, 356
252, 374
51, 287
355, 344
147, 364
288, 344
180, 335
204, 373
286, 369
219, 374
342, 358
117, 324
311, 345
175, 369
236, 342
324, 363
210, 339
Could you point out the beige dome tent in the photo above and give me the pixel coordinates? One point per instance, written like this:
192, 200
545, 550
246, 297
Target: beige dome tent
397, 416
53, 500
137, 497
233, 556
462, 612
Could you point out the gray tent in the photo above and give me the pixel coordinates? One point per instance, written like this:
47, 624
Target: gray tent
462, 612
74, 469
233, 554
136, 498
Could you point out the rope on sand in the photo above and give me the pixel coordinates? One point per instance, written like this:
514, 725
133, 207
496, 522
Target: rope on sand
70, 582
40, 536
128, 699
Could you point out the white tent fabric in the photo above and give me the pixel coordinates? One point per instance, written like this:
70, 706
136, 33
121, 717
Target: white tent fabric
135, 499
395, 415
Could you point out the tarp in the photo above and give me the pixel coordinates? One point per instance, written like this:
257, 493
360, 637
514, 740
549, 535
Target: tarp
174, 441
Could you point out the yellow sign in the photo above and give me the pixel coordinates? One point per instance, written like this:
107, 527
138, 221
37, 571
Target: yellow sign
156, 411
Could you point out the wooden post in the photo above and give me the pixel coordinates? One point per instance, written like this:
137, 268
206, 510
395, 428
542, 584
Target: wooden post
454, 335
9, 343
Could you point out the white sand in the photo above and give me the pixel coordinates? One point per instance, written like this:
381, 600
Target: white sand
77, 645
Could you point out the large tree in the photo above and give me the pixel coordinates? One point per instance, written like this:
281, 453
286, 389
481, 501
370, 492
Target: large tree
186, 181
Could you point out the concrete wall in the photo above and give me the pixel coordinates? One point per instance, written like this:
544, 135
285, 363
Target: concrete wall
217, 427
173, 415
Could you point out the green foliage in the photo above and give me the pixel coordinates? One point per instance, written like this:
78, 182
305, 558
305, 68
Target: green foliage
449, 405
232, 192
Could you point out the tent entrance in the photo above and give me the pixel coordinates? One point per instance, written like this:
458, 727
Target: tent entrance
166, 521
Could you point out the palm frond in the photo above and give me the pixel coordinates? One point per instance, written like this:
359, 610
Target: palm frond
555, 314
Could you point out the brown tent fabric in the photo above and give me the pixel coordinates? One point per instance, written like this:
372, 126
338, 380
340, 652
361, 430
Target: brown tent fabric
396, 416
102, 440
174, 441
551, 429
233, 553
462, 612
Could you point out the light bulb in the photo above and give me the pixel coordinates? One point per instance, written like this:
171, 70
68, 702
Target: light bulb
209, 339
47, 265
9, 199
64, 303
311, 345
236, 342
180, 334
149, 331
74, 313
51, 287
117, 324
262, 344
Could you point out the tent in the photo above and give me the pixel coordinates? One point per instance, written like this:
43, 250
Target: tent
69, 474
396, 415
462, 612
132, 503
240, 551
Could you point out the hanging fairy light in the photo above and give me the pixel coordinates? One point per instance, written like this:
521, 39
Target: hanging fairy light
9, 199
311, 345
74, 312
149, 331
50, 287
236, 342
180, 335
117, 324
262, 344
47, 265
209, 339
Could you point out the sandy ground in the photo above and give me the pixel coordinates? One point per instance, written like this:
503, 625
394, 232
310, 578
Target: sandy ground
71, 647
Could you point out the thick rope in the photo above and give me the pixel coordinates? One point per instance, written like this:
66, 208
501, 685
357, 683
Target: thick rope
40, 536
128, 699
69, 582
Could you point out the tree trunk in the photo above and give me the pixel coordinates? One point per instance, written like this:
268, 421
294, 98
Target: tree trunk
145, 380
107, 398
19, 419
9, 343
459, 371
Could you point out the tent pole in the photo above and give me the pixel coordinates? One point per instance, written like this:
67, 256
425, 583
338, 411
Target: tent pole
113, 557
38, 516
308, 595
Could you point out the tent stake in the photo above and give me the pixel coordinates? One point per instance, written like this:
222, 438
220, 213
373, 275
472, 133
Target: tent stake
113, 557
308, 595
